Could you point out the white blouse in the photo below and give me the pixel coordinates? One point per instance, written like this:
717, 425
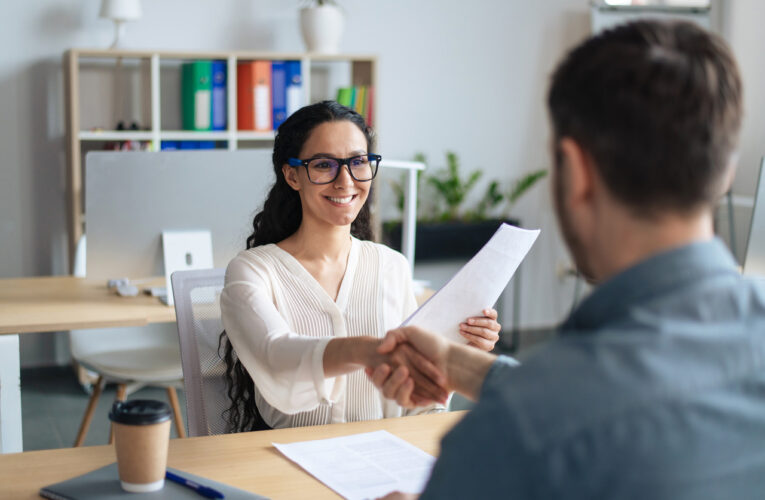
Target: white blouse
279, 320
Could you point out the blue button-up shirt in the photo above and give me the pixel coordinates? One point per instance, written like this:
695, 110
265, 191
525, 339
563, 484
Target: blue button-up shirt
654, 389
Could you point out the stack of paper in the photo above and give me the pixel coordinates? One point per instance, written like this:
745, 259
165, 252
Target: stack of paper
477, 285
368, 465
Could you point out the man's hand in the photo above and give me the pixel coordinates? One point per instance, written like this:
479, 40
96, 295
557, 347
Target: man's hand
396, 382
397, 495
422, 381
462, 368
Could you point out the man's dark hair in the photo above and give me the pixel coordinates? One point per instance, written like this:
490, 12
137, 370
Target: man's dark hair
657, 106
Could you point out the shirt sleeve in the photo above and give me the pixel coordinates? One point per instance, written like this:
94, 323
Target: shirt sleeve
286, 367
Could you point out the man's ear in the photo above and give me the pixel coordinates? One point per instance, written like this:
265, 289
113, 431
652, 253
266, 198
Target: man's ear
291, 176
578, 172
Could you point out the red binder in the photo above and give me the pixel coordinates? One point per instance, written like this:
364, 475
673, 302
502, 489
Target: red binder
253, 92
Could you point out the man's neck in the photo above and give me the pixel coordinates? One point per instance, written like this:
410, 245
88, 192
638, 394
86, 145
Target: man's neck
632, 240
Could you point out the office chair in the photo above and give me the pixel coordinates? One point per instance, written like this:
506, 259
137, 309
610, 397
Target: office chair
197, 309
132, 358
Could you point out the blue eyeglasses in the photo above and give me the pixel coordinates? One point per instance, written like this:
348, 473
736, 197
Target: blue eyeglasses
324, 170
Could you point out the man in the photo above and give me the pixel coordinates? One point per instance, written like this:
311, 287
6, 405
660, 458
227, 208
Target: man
655, 387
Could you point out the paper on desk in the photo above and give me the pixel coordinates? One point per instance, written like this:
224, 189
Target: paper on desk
367, 465
477, 285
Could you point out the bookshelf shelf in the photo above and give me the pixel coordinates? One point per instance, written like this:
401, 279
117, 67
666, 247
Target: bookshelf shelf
187, 135
103, 86
255, 136
114, 135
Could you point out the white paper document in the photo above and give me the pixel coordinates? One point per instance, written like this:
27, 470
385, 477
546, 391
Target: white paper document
360, 466
477, 285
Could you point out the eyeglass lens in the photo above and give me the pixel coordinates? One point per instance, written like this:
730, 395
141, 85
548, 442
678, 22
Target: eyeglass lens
325, 170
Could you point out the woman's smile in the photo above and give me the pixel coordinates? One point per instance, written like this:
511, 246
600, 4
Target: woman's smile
341, 201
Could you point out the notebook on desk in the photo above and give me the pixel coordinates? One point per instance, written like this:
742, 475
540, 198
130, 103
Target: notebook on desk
104, 484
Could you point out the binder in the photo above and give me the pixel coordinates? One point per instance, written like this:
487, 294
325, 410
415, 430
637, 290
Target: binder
279, 92
254, 96
219, 104
196, 98
294, 87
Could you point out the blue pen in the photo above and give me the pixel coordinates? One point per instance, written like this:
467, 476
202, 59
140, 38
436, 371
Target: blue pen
205, 491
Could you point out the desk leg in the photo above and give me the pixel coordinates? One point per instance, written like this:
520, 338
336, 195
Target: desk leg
10, 395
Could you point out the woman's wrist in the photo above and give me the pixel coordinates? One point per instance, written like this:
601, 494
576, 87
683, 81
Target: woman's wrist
366, 354
347, 354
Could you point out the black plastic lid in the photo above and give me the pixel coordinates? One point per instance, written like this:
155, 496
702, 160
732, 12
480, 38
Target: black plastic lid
139, 412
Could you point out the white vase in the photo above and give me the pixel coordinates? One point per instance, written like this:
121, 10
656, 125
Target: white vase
322, 28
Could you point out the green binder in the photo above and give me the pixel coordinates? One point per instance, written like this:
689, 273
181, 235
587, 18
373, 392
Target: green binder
196, 95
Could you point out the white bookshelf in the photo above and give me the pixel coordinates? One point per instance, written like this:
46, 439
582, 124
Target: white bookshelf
147, 79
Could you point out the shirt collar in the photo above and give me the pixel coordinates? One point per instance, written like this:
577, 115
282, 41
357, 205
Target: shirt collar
609, 301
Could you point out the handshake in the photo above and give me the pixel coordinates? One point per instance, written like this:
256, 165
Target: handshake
417, 368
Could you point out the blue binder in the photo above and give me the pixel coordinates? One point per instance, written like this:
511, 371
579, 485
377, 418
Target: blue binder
279, 92
219, 105
294, 87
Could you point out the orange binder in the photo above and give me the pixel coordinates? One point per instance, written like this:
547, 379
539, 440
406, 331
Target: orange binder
253, 93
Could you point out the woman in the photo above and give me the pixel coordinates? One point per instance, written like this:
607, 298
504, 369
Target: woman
305, 306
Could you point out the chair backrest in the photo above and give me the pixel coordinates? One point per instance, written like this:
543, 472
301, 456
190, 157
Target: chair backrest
197, 310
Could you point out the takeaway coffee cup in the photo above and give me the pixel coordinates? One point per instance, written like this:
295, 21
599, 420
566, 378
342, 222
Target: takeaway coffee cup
141, 436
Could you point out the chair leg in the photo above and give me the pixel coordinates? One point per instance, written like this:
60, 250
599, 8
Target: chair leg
121, 395
173, 397
85, 424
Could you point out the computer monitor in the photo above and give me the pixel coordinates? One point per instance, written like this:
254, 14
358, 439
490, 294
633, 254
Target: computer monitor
754, 260
132, 197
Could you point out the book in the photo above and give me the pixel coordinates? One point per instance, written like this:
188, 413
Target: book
279, 92
361, 105
254, 96
196, 98
344, 96
219, 104
370, 105
354, 95
104, 484
294, 87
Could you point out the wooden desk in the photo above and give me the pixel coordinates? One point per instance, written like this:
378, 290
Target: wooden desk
57, 303
247, 461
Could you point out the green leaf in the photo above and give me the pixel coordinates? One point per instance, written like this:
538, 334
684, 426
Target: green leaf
524, 184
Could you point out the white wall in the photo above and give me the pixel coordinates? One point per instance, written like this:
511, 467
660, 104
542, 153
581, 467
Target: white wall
464, 76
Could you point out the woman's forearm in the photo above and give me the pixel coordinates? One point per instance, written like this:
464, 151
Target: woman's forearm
348, 354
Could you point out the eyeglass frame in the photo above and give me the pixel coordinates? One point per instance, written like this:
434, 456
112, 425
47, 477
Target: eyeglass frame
297, 162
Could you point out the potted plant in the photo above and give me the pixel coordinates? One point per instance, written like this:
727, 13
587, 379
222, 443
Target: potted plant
445, 229
321, 24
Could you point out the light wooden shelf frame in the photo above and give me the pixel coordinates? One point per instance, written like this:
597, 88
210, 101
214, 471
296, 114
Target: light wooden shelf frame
363, 72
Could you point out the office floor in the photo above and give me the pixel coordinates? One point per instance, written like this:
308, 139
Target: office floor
53, 402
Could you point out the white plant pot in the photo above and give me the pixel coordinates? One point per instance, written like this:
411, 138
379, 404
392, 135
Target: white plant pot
322, 28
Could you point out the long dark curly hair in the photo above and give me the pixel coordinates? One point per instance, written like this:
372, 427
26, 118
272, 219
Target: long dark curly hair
281, 217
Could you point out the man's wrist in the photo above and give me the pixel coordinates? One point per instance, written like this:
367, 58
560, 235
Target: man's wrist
466, 369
